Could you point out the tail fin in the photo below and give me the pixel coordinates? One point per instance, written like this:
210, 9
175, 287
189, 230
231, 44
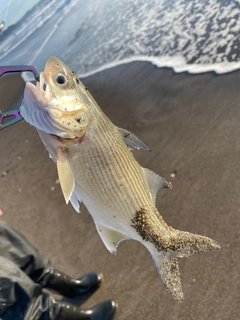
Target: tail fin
182, 244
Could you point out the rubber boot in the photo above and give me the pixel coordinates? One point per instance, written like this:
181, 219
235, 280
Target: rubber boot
68, 287
102, 311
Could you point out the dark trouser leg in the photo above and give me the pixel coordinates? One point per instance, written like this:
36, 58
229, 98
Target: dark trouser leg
23, 299
17, 291
16, 248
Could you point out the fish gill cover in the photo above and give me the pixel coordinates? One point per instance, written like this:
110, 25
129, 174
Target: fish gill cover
195, 36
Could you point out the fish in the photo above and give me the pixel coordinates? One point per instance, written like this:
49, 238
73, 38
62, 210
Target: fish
96, 166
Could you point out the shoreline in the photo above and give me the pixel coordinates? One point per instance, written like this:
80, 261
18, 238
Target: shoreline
177, 64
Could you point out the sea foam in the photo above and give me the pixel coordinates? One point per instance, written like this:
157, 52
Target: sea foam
194, 36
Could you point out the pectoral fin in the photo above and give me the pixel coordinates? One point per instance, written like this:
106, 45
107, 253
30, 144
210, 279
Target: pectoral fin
110, 238
65, 174
132, 141
155, 182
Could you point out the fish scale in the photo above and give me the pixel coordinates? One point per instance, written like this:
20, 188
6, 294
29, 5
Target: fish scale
96, 167
123, 159
124, 167
102, 156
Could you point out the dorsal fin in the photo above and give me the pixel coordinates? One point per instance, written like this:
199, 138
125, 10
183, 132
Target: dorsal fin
132, 141
155, 182
65, 174
110, 238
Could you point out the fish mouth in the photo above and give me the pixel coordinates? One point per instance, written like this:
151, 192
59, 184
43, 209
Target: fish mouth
40, 91
42, 84
35, 108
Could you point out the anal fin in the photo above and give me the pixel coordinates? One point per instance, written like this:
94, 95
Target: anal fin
111, 238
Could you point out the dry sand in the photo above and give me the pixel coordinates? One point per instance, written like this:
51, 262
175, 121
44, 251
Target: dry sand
191, 123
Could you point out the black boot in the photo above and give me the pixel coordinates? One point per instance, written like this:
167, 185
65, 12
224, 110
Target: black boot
68, 287
102, 311
44, 307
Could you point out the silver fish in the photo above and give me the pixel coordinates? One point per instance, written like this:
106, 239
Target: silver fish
96, 167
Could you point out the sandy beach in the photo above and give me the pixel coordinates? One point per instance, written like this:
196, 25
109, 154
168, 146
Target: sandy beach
191, 123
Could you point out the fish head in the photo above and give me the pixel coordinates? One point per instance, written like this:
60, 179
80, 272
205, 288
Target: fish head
58, 95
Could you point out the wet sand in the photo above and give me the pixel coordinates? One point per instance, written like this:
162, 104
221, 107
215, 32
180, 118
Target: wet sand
191, 123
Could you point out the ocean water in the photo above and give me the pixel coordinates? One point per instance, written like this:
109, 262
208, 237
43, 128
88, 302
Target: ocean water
90, 36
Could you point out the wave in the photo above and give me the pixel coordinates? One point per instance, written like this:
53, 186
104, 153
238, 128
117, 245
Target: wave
193, 36
178, 64
29, 24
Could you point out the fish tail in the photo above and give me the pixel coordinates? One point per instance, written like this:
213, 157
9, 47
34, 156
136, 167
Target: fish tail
181, 244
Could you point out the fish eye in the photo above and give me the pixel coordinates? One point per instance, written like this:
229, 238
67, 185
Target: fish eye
60, 79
